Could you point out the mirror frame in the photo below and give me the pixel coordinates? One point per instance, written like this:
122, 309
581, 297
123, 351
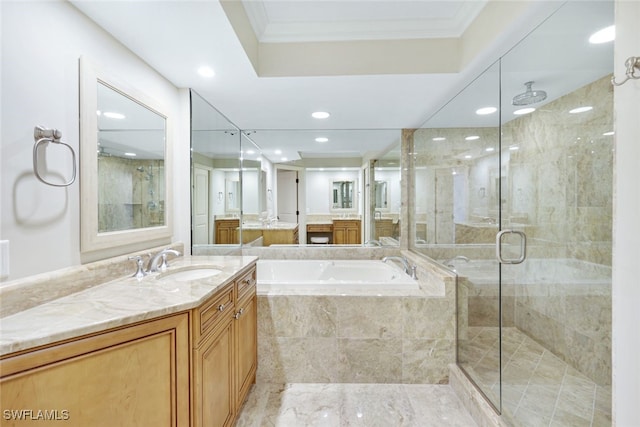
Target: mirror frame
90, 238
354, 198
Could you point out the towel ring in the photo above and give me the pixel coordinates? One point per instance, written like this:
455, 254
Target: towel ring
42, 136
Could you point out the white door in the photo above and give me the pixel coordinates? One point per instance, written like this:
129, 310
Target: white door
288, 196
201, 215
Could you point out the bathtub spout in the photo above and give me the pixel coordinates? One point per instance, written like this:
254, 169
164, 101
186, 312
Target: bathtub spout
449, 262
408, 268
372, 243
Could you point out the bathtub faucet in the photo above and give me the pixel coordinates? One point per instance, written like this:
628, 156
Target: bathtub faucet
161, 257
408, 268
449, 262
372, 243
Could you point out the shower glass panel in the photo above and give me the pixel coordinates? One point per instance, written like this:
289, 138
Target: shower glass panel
557, 163
458, 179
534, 337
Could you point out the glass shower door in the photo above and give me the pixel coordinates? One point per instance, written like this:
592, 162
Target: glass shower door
457, 197
557, 158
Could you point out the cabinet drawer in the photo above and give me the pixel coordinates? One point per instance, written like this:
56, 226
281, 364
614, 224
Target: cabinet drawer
319, 228
246, 284
212, 312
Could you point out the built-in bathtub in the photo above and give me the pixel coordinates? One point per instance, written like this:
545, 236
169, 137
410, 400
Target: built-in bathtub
353, 321
326, 277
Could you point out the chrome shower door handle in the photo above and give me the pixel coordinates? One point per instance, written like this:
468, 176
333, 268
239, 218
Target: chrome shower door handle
523, 247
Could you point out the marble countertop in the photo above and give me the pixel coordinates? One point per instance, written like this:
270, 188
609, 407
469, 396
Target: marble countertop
116, 303
275, 226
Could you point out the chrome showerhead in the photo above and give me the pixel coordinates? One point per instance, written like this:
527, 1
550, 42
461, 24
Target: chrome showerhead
529, 96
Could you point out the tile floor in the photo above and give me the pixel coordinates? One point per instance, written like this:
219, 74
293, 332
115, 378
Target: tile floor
539, 389
338, 405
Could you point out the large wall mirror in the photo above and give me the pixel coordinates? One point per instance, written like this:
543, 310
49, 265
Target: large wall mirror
385, 196
125, 138
216, 199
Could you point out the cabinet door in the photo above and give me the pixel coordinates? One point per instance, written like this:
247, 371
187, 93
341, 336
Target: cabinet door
353, 235
339, 235
134, 376
247, 345
214, 405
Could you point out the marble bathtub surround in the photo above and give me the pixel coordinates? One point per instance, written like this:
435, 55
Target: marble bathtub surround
115, 303
342, 338
21, 294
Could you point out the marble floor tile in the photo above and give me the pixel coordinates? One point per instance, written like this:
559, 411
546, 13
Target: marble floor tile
346, 405
538, 388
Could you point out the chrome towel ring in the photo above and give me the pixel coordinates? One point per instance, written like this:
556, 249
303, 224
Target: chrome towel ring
42, 136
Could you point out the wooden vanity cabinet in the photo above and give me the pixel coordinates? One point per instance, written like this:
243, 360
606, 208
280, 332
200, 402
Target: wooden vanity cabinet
154, 373
135, 375
225, 353
346, 232
226, 231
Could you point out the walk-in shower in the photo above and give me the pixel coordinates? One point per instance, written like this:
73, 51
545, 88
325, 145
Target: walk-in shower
534, 337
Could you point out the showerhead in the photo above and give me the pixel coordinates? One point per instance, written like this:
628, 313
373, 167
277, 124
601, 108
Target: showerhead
529, 96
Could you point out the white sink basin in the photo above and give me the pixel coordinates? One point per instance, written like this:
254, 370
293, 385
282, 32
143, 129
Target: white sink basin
190, 273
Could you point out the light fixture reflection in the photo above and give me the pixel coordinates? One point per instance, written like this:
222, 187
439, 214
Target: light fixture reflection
322, 139
472, 138
486, 110
524, 111
604, 35
320, 115
581, 109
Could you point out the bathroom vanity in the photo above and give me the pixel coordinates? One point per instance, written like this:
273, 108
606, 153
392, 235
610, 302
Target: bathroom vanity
177, 348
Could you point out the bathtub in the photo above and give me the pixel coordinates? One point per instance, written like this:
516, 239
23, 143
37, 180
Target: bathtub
332, 276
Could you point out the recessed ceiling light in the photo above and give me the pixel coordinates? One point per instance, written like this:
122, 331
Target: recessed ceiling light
130, 154
489, 149
278, 152
438, 138
604, 35
486, 110
608, 133
322, 139
113, 115
284, 159
514, 148
581, 109
320, 115
472, 138
98, 112
205, 71
524, 111
250, 152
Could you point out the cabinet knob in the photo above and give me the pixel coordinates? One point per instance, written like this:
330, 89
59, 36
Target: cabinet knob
221, 307
238, 314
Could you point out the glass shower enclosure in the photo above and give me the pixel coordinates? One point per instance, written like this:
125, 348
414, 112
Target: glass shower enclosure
513, 187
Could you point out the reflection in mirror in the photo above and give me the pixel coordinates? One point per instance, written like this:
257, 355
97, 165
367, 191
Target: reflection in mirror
215, 161
233, 195
385, 219
131, 185
124, 169
342, 194
381, 199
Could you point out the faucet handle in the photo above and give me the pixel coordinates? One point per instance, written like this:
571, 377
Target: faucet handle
140, 273
414, 268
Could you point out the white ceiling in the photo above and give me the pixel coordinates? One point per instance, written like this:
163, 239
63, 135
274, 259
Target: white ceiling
177, 37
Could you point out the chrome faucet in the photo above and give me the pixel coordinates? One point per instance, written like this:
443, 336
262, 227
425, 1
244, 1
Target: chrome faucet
408, 268
449, 262
161, 257
377, 215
